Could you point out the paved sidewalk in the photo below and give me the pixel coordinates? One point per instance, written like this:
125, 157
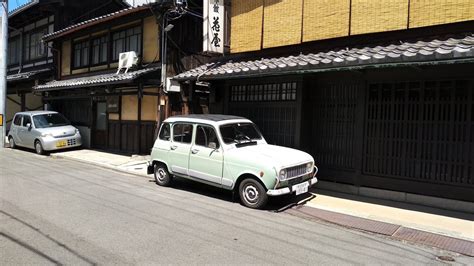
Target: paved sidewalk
358, 212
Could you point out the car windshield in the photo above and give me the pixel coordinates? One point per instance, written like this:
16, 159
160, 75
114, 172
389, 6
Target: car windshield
50, 120
239, 132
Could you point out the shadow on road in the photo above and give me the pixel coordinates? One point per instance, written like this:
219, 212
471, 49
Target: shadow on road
274, 203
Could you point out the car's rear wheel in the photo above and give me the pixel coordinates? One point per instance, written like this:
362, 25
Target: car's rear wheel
252, 194
12, 142
39, 148
162, 176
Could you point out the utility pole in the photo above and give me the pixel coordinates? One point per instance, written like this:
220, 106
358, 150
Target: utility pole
3, 69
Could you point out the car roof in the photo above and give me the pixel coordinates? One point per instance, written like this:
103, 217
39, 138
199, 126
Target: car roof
36, 113
209, 118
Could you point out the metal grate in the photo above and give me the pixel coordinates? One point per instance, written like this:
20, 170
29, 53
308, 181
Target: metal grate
71, 142
295, 171
334, 124
421, 131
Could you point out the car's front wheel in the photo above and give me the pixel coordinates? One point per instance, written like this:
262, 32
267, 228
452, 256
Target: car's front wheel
12, 142
253, 194
162, 176
39, 148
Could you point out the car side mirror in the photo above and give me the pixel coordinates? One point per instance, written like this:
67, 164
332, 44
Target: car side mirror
212, 145
28, 125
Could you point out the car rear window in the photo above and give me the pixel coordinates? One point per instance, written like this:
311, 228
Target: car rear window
17, 120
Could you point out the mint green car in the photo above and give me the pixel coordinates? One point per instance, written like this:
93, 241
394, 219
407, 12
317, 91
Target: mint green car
229, 152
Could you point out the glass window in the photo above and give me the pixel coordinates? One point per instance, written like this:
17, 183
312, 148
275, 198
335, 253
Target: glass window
126, 41
239, 132
206, 135
50, 120
26, 120
34, 47
14, 51
182, 133
81, 54
99, 50
165, 132
17, 120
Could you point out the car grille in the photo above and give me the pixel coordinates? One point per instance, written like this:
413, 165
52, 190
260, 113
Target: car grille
64, 136
71, 142
296, 171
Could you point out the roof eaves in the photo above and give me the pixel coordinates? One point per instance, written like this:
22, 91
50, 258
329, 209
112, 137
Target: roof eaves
94, 21
22, 8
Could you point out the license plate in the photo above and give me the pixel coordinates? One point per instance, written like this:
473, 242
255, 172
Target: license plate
61, 143
301, 188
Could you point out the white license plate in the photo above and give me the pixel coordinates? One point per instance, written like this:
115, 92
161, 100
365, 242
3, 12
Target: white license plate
301, 188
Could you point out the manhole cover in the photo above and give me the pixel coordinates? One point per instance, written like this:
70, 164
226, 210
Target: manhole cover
445, 258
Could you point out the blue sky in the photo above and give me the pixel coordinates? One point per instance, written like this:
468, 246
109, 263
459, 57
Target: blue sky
12, 4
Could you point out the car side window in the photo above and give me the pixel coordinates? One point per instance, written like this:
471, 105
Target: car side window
165, 132
182, 133
26, 120
206, 135
17, 120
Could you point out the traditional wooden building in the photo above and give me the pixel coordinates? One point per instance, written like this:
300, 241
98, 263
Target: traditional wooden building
117, 111
31, 61
381, 93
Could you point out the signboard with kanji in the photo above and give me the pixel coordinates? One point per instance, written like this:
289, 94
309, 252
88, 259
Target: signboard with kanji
213, 27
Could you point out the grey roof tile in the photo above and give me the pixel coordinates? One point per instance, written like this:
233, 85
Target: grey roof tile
97, 80
438, 48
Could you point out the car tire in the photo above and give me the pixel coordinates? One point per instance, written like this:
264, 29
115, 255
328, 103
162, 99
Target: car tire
252, 194
162, 176
39, 148
12, 142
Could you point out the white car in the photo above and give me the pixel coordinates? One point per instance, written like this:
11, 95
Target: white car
43, 131
229, 152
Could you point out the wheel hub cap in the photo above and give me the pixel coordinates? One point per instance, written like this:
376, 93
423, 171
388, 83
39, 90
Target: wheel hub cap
251, 194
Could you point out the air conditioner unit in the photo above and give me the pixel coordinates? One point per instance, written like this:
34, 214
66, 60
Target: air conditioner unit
172, 85
127, 60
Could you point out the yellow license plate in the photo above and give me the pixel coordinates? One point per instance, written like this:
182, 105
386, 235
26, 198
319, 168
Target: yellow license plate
61, 143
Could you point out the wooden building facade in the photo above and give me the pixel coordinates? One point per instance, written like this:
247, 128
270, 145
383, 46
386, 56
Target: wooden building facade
380, 94
116, 111
31, 61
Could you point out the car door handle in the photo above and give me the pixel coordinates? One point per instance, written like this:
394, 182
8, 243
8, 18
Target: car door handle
174, 147
194, 151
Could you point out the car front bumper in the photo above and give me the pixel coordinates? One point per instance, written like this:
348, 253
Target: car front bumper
51, 144
288, 190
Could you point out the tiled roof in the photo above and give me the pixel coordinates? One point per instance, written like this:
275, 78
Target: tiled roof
26, 75
402, 52
94, 21
20, 8
92, 81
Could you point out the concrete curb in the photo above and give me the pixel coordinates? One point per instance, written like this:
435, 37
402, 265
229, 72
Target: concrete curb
57, 156
440, 203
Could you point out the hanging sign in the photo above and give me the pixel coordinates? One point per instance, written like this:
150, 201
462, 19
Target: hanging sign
213, 26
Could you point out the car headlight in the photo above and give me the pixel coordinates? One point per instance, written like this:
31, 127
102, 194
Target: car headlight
282, 175
44, 135
77, 131
309, 167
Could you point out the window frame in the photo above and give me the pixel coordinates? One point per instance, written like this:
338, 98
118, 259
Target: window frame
17, 50
26, 47
91, 50
126, 42
161, 130
182, 136
73, 53
218, 145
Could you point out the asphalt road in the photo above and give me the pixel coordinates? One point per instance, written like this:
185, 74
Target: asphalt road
56, 211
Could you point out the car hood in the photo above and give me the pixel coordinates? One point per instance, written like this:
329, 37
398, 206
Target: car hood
59, 131
278, 155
